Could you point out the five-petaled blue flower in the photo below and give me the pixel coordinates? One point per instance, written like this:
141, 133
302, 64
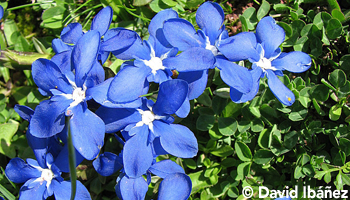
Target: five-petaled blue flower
42, 180
149, 128
181, 34
69, 95
262, 50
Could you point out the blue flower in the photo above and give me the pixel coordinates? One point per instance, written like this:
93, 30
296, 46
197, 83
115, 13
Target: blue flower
40, 182
111, 40
69, 95
181, 34
175, 184
42, 146
149, 128
262, 50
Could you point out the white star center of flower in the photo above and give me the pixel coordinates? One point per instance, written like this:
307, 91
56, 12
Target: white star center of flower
78, 94
47, 175
148, 117
155, 64
265, 64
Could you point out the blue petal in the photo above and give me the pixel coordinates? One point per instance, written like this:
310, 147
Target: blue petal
59, 46
84, 55
138, 50
159, 19
48, 118
62, 190
88, 140
72, 33
128, 84
239, 47
18, 171
99, 94
197, 82
184, 110
118, 118
32, 190
24, 111
283, 94
62, 161
95, 76
176, 139
181, 34
284, 198
171, 96
132, 188
210, 18
48, 76
63, 61
42, 146
1, 12
239, 97
270, 35
295, 61
107, 164
137, 153
193, 59
165, 167
234, 75
102, 20
175, 186
118, 39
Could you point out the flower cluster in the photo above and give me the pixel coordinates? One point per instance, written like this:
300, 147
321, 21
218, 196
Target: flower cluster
81, 100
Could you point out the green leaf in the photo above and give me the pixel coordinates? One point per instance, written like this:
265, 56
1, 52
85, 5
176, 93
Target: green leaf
205, 122
223, 92
243, 170
6, 193
290, 139
7, 131
264, 138
219, 104
337, 14
344, 145
320, 92
263, 10
334, 29
262, 156
304, 97
11, 31
335, 112
243, 151
250, 17
141, 2
287, 28
205, 99
223, 151
190, 163
345, 62
199, 181
337, 78
53, 17
257, 125
227, 126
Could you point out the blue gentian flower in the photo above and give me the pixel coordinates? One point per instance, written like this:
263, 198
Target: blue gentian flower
111, 40
181, 34
149, 128
41, 182
154, 61
262, 50
69, 95
175, 184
